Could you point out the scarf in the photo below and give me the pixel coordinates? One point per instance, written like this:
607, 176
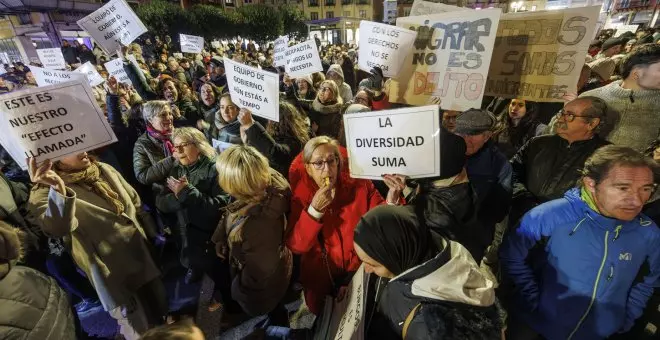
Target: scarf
168, 147
90, 179
586, 196
328, 108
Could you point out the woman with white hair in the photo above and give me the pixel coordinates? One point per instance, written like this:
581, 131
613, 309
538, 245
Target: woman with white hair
152, 153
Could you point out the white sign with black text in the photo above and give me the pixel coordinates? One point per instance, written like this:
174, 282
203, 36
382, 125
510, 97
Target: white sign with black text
92, 74
254, 89
191, 43
279, 55
51, 58
113, 25
52, 122
115, 69
403, 141
384, 46
46, 77
303, 59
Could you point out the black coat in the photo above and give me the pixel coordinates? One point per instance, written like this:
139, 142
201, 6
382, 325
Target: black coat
280, 150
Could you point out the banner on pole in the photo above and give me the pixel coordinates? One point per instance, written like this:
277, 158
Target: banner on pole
51, 58
115, 69
254, 89
384, 46
191, 43
92, 74
303, 59
46, 77
113, 25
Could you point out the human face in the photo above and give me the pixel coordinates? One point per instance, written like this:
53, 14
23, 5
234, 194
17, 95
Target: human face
371, 265
185, 151
173, 65
649, 77
228, 110
517, 109
303, 85
362, 98
474, 143
185, 65
76, 162
170, 92
571, 124
325, 94
623, 192
323, 164
449, 120
161, 67
629, 45
30, 78
163, 122
208, 97
334, 76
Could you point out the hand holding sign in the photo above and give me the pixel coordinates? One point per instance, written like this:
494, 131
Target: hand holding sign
245, 118
384, 46
112, 25
396, 184
44, 174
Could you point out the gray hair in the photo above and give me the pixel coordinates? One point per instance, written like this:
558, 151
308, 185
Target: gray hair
315, 142
597, 109
152, 108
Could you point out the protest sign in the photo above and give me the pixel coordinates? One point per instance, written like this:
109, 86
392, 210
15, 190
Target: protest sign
384, 46
191, 43
254, 89
449, 59
51, 58
539, 55
220, 146
421, 7
113, 25
625, 28
92, 74
303, 59
46, 77
115, 69
389, 11
344, 319
402, 141
279, 57
52, 122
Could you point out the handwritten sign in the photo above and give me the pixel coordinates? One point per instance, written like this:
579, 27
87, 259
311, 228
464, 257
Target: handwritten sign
539, 55
52, 122
191, 43
384, 46
402, 141
115, 69
113, 25
46, 77
449, 59
92, 74
302, 59
254, 89
421, 7
625, 28
279, 55
51, 58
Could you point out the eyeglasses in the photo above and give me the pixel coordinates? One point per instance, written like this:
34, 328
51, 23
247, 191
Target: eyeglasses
180, 147
323, 89
570, 116
318, 165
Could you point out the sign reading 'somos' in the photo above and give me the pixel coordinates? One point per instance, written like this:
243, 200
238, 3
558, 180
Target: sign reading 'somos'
303, 59
113, 25
384, 46
51, 58
402, 141
254, 89
191, 43
52, 122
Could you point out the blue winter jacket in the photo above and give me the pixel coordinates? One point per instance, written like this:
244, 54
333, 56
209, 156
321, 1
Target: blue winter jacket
574, 270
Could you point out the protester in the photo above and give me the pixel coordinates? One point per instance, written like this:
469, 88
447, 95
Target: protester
209, 102
217, 71
336, 74
69, 52
325, 111
518, 126
152, 153
184, 110
226, 127
86, 55
597, 239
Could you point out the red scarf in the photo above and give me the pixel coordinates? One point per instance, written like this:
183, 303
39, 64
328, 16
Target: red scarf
168, 147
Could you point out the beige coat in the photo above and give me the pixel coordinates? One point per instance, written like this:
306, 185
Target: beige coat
111, 249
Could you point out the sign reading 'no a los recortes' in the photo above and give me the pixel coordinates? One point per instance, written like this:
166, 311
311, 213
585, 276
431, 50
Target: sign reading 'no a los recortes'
303, 59
254, 89
402, 141
449, 60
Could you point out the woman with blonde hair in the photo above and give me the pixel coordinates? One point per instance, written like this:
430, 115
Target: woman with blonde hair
250, 237
325, 111
193, 195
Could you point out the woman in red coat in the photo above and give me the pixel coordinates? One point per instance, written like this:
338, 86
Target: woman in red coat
326, 206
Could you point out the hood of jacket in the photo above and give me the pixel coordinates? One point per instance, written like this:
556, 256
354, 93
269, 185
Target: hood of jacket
337, 69
452, 276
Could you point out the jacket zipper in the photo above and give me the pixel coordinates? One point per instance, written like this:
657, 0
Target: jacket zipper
593, 294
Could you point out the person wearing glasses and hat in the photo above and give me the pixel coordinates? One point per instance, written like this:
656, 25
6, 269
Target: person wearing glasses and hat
217, 71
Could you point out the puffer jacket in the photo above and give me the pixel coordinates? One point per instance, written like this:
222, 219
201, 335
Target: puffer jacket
579, 281
149, 161
456, 301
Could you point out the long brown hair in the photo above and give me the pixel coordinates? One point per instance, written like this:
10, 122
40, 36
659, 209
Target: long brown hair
292, 123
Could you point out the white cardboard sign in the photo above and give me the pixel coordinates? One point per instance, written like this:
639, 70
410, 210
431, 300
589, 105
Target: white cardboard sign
46, 77
421, 7
115, 68
51, 58
384, 46
113, 25
625, 28
303, 59
279, 54
254, 89
52, 122
402, 141
92, 74
191, 43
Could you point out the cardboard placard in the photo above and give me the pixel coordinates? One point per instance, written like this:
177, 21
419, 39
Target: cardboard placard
384, 46
303, 59
115, 69
52, 122
421, 7
46, 77
402, 141
51, 58
91, 73
539, 55
449, 59
279, 53
113, 25
191, 43
254, 89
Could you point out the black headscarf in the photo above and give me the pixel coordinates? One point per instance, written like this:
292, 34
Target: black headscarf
393, 236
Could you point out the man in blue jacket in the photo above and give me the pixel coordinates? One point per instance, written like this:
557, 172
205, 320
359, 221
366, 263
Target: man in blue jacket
574, 260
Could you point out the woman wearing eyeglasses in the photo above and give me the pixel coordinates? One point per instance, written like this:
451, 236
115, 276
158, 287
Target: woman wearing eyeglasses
326, 206
196, 199
325, 110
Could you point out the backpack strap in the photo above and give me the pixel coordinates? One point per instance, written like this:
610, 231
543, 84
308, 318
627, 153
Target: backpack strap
409, 319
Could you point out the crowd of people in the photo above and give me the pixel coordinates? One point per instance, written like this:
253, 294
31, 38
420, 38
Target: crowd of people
541, 224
